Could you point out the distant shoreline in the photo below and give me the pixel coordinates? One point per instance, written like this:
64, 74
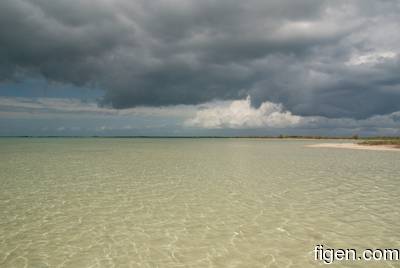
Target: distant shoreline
361, 139
356, 146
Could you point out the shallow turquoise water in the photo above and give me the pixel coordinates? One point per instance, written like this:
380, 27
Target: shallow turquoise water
192, 202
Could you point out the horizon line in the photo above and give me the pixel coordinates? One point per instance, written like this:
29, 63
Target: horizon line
353, 137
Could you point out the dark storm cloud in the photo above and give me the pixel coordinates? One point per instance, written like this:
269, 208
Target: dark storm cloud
328, 58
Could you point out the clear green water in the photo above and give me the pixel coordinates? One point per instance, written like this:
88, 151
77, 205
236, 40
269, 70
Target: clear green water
191, 202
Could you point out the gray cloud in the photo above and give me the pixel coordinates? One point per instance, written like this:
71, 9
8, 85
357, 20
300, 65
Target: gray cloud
50, 107
317, 58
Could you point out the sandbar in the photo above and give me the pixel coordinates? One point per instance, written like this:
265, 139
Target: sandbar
355, 146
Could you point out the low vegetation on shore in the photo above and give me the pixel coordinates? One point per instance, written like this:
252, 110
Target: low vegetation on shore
395, 142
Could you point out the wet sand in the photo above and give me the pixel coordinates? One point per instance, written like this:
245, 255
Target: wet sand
355, 146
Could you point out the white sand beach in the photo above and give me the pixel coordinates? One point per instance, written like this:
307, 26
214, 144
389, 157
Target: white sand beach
355, 146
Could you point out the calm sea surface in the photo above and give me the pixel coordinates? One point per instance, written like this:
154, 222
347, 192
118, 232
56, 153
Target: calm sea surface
192, 202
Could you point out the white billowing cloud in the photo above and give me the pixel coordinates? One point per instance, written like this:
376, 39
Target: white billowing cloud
240, 114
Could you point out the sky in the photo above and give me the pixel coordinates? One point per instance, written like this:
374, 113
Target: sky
210, 67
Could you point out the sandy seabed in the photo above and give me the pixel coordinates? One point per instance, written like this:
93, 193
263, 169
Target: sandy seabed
355, 146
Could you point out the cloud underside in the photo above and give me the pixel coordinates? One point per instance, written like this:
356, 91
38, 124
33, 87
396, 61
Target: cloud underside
334, 59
